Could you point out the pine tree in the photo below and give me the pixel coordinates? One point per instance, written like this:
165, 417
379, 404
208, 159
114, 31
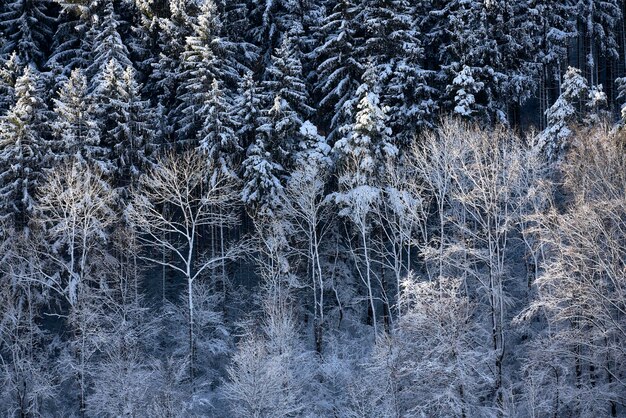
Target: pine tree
391, 46
285, 78
8, 74
26, 28
207, 57
217, 137
106, 42
578, 104
164, 79
597, 23
134, 130
490, 39
74, 127
249, 102
23, 149
464, 87
261, 176
338, 70
71, 47
367, 141
106, 94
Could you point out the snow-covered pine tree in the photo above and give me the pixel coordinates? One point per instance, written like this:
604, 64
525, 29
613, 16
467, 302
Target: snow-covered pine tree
134, 131
106, 42
366, 141
338, 70
464, 87
23, 149
285, 77
261, 176
489, 38
598, 32
217, 138
106, 92
71, 47
207, 57
164, 79
27, 28
9, 71
249, 102
391, 45
74, 126
577, 104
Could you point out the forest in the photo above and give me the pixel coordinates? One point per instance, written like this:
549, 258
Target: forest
312, 208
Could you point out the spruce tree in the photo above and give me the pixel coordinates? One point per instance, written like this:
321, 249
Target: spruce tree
74, 126
27, 28
23, 149
217, 138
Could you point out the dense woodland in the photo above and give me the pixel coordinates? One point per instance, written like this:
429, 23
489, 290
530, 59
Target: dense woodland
300, 208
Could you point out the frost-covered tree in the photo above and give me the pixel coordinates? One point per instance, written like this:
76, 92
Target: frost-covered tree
10, 70
23, 147
26, 27
75, 210
367, 142
106, 42
217, 138
207, 57
285, 78
134, 132
248, 105
26, 375
443, 355
74, 125
490, 38
392, 47
575, 105
261, 177
174, 202
339, 72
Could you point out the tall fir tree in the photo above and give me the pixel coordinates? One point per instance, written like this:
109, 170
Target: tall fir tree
217, 138
75, 129
106, 42
338, 70
367, 141
23, 149
27, 28
207, 57
9, 71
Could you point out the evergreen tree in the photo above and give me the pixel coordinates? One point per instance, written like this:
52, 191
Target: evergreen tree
338, 70
164, 81
207, 57
491, 40
367, 141
597, 22
26, 28
74, 127
391, 46
134, 130
71, 46
578, 104
217, 137
106, 42
8, 74
23, 148
261, 175
285, 77
249, 102
107, 92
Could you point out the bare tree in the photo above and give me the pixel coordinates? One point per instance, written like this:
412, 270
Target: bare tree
175, 201
308, 216
75, 209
